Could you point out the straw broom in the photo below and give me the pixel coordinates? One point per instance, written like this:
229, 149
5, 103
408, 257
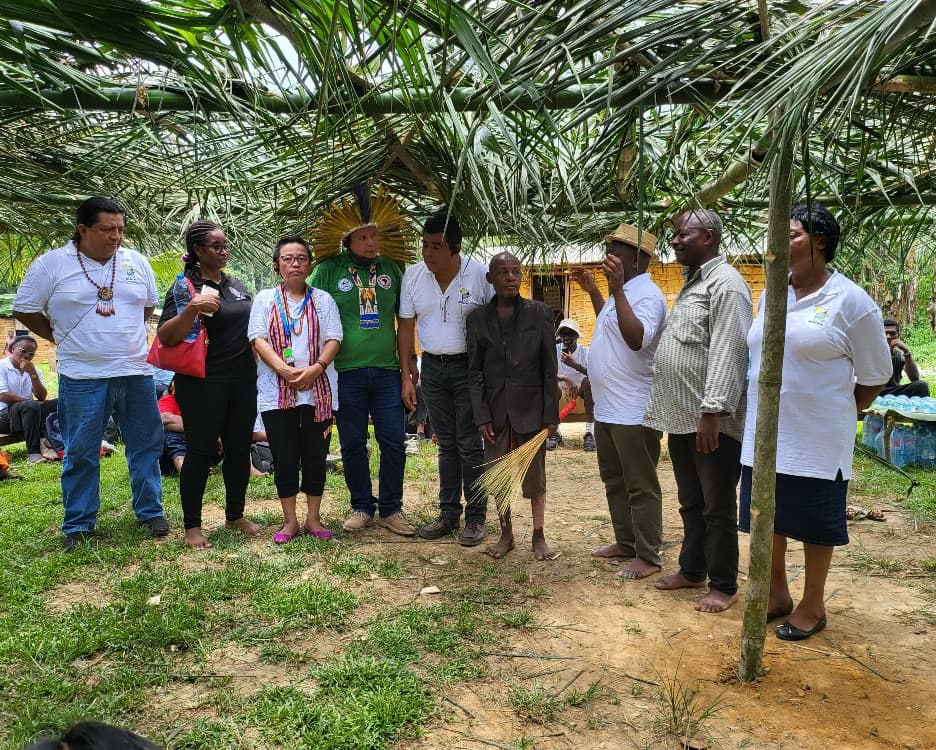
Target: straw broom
504, 476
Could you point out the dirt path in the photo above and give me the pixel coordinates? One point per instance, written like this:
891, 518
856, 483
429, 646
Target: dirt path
866, 682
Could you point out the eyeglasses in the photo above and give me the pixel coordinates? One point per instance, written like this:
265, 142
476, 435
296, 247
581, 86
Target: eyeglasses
218, 247
294, 260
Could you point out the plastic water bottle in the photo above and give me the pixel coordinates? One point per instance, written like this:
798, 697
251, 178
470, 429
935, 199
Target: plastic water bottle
873, 424
926, 444
182, 296
879, 443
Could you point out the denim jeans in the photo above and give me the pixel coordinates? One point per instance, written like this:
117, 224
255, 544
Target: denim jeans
83, 409
461, 451
373, 392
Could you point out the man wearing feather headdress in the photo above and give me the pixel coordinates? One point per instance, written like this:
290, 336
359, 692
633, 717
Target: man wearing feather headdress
359, 248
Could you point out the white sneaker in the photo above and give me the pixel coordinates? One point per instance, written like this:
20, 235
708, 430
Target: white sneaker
411, 446
108, 448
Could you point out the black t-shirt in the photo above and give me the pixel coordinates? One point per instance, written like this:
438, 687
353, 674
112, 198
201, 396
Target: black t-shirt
229, 354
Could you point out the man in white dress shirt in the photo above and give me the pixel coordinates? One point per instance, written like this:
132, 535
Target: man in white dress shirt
438, 294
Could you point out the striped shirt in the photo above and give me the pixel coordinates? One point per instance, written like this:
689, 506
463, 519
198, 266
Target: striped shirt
702, 360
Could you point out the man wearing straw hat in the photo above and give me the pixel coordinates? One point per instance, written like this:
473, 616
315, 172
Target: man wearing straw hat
698, 398
620, 368
438, 295
514, 392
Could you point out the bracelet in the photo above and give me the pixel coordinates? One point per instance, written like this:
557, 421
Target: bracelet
320, 362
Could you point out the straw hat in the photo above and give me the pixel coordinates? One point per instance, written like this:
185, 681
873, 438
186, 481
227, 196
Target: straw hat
628, 235
571, 325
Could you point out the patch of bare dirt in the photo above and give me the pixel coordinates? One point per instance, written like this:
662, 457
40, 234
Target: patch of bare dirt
865, 682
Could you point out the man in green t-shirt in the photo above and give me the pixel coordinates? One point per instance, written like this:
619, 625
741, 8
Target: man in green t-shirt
366, 288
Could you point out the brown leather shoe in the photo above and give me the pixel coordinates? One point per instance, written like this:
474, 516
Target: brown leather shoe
438, 528
472, 535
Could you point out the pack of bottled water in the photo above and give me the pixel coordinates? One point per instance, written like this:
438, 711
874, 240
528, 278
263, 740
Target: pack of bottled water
913, 443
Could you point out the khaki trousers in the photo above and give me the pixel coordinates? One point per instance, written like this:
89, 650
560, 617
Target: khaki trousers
627, 462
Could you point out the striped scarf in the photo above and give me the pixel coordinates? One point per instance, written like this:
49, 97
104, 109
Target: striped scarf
280, 340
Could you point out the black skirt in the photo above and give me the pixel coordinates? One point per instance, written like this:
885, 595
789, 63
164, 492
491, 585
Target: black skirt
808, 509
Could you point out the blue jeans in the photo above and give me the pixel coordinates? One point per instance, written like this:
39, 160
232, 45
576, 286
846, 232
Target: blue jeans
83, 409
461, 451
373, 392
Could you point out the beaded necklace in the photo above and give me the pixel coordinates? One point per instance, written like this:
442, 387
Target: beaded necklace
105, 294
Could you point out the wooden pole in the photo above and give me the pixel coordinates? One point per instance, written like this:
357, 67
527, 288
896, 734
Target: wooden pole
763, 491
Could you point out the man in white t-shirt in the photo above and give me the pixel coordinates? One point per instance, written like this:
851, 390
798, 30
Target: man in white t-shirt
620, 369
438, 294
91, 298
572, 364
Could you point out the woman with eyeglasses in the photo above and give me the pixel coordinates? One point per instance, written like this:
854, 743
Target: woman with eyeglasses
23, 405
222, 407
296, 331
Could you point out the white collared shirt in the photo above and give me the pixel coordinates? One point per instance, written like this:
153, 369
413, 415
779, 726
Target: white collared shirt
88, 345
441, 316
834, 337
15, 381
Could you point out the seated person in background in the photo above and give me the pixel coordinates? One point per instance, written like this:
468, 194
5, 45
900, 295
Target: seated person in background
261, 457
5, 472
20, 382
572, 361
174, 449
902, 359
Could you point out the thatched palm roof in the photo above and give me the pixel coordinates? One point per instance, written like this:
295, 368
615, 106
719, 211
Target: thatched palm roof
541, 123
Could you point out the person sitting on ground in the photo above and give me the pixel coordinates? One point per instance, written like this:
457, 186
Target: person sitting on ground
573, 380
23, 404
93, 735
902, 361
513, 387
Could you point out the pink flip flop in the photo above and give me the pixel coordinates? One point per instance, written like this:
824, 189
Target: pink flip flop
323, 534
281, 538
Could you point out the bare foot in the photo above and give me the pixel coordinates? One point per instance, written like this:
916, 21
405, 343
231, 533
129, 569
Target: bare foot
639, 569
197, 539
243, 525
677, 581
542, 551
611, 551
255, 472
776, 610
716, 601
501, 548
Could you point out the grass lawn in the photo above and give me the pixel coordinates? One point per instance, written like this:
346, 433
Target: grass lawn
129, 631
251, 645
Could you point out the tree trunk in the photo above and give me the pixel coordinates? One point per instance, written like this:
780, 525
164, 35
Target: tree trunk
763, 491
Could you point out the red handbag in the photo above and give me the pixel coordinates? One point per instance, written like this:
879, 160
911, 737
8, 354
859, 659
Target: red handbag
184, 358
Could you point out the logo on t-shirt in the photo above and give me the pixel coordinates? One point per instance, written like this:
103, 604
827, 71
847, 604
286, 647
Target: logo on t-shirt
383, 281
345, 285
464, 296
129, 272
819, 316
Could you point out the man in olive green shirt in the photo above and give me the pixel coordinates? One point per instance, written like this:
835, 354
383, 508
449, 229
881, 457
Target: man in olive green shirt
366, 288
